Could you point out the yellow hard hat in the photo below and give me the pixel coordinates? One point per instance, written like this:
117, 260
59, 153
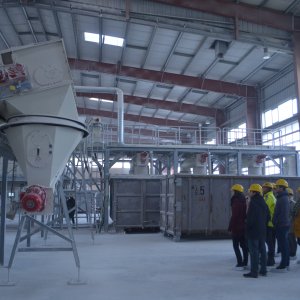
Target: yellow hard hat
238, 188
255, 187
282, 182
290, 191
268, 185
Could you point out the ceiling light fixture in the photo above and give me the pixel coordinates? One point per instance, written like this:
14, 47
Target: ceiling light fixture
266, 53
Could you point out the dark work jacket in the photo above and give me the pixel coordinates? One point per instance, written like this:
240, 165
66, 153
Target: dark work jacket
237, 224
282, 210
258, 216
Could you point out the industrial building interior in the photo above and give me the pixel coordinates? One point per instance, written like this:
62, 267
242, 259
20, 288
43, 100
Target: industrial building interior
146, 112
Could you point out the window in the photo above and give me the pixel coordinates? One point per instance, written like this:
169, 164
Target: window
211, 142
244, 171
284, 136
267, 119
283, 112
121, 165
237, 133
286, 110
271, 167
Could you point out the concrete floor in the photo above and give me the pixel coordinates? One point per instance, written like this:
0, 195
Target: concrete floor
139, 266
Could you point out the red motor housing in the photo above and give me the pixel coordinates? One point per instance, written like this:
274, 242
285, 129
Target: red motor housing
33, 199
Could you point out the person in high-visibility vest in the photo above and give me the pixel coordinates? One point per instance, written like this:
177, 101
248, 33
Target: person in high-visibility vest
270, 238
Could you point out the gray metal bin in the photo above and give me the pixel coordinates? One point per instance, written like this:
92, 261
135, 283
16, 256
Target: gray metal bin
200, 204
135, 201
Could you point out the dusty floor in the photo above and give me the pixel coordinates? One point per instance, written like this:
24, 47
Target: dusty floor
139, 266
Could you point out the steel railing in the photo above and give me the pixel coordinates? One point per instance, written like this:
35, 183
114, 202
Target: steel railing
104, 134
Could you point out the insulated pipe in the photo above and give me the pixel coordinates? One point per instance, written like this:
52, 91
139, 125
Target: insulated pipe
120, 97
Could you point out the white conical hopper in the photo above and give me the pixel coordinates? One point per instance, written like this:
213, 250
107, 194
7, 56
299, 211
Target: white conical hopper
42, 150
42, 124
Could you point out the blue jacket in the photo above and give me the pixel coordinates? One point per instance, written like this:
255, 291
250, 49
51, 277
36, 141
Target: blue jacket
281, 216
258, 216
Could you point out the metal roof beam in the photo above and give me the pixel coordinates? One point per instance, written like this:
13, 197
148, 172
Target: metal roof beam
161, 104
13, 26
75, 32
292, 6
4, 40
29, 24
261, 16
133, 118
167, 78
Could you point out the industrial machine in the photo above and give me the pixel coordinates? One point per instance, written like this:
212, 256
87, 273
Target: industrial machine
40, 120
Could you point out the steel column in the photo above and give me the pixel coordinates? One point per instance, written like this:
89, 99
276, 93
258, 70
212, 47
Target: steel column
297, 68
106, 189
253, 121
3, 208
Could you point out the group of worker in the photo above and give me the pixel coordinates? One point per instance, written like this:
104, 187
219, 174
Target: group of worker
267, 214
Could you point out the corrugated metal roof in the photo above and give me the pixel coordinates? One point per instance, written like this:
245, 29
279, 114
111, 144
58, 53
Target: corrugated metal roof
158, 37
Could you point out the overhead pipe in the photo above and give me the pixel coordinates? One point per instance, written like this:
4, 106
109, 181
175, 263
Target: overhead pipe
120, 98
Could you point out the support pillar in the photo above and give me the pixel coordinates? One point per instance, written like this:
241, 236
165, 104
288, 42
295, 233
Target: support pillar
297, 68
221, 136
106, 189
239, 163
253, 121
175, 161
3, 208
220, 121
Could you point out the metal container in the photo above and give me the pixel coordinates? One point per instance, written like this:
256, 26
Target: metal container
135, 201
200, 204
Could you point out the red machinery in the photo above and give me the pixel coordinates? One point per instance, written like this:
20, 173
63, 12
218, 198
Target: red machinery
33, 199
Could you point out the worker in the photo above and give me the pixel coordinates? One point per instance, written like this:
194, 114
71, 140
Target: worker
237, 225
281, 221
278, 252
291, 236
296, 218
71, 203
270, 200
258, 216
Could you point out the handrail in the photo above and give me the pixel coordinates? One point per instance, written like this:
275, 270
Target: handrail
184, 135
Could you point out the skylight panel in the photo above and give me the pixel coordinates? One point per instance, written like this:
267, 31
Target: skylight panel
112, 40
91, 37
106, 39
